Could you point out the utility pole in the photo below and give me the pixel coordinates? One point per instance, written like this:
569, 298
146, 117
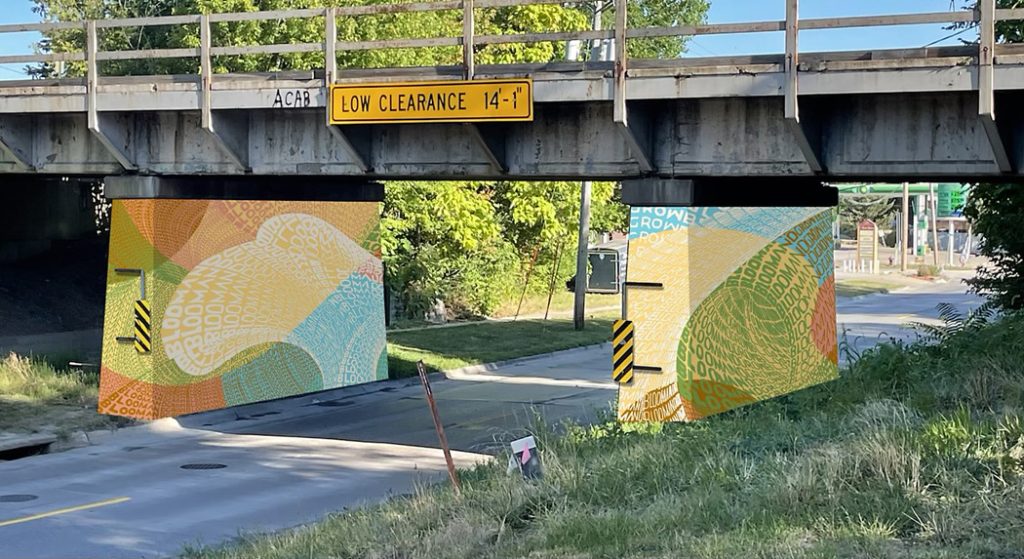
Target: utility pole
935, 224
952, 241
580, 298
905, 231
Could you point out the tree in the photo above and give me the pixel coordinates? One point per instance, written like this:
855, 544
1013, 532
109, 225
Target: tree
495, 21
996, 212
854, 209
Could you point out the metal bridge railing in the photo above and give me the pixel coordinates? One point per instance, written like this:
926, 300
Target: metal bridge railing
985, 16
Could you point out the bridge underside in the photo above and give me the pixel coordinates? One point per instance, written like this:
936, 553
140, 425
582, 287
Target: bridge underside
866, 136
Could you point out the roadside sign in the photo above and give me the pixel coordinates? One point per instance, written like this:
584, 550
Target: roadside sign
433, 101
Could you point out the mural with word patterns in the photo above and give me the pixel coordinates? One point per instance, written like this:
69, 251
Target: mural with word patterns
250, 301
745, 310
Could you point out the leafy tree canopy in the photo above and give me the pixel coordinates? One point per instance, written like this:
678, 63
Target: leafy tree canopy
492, 21
996, 212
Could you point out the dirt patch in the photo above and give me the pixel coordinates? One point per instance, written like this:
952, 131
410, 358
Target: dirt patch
60, 290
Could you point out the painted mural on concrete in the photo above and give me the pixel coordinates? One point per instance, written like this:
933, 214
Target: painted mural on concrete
746, 310
250, 300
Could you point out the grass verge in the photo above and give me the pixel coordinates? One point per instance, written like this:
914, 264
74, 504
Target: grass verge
856, 287
35, 397
561, 304
916, 452
449, 348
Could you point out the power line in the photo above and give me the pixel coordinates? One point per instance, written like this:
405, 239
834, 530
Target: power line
947, 37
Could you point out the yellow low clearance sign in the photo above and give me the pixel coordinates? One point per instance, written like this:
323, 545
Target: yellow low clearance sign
436, 101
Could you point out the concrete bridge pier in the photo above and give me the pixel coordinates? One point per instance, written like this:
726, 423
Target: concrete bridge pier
229, 290
731, 293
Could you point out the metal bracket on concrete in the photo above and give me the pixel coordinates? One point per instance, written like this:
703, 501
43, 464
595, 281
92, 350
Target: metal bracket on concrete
492, 141
806, 139
635, 131
358, 152
16, 140
113, 135
986, 86
231, 132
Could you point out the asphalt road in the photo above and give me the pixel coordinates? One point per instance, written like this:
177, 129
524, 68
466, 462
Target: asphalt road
292, 461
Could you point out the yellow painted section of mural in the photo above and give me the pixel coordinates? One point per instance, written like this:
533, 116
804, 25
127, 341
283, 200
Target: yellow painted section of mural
251, 300
745, 311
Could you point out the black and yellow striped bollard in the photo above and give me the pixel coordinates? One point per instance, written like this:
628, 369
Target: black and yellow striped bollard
622, 351
143, 326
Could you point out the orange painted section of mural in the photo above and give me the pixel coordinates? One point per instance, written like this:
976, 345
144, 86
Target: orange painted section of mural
251, 300
745, 311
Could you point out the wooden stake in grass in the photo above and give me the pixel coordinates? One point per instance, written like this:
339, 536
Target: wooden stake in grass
422, 370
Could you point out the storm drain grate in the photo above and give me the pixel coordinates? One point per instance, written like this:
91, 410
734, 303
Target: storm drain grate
17, 498
203, 466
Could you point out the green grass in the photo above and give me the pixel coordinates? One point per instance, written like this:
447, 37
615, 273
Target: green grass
561, 304
486, 342
856, 287
916, 452
36, 397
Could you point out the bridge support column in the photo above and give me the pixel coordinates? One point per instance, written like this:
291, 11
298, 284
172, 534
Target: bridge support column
245, 289
731, 292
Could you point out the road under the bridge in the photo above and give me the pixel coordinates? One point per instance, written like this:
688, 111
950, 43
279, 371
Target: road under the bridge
295, 460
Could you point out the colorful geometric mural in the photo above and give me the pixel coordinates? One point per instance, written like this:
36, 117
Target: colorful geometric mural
251, 300
745, 310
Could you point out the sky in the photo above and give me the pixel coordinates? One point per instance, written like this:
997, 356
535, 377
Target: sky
722, 11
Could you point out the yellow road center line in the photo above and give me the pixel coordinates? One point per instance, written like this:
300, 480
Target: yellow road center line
65, 510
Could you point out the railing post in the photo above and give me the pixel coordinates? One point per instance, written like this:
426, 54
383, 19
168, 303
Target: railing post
807, 137
986, 48
792, 59
206, 72
619, 91
468, 61
113, 139
91, 78
986, 83
359, 159
330, 48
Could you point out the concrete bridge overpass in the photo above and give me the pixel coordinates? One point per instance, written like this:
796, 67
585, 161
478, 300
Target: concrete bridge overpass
918, 113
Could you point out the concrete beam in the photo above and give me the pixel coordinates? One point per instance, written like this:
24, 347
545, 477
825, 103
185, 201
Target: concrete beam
634, 125
16, 140
112, 132
312, 188
230, 129
354, 144
729, 192
491, 140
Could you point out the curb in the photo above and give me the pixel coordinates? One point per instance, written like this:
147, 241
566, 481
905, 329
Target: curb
487, 367
252, 415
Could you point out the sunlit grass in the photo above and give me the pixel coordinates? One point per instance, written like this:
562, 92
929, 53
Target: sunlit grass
856, 287
35, 397
443, 349
916, 452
